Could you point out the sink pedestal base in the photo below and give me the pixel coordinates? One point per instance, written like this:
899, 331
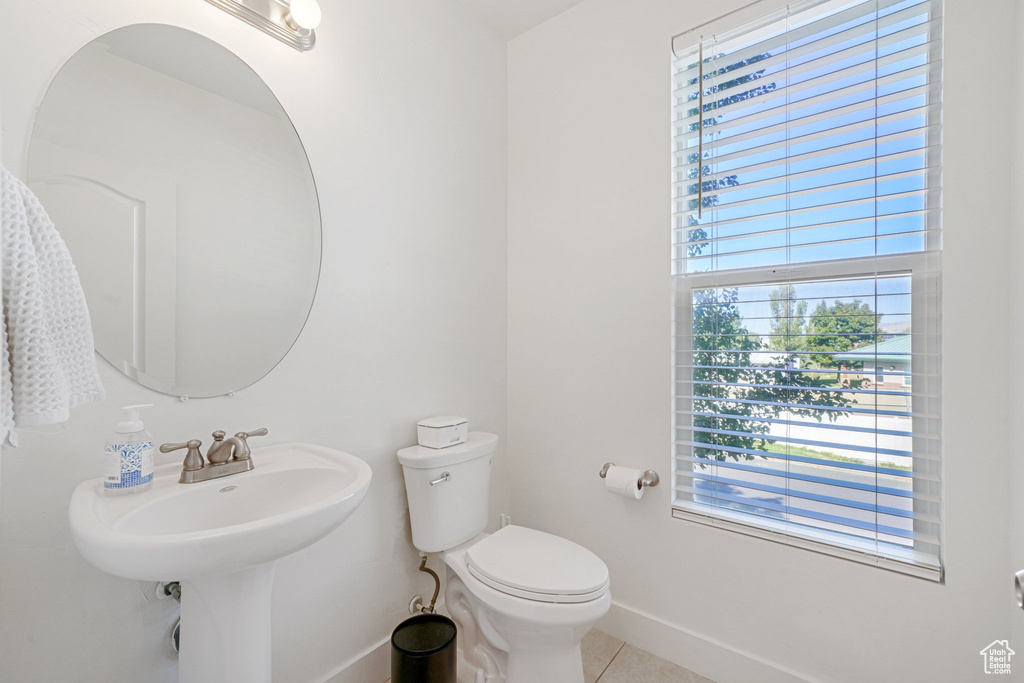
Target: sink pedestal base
225, 627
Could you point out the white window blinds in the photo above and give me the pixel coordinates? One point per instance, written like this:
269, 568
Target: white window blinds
806, 227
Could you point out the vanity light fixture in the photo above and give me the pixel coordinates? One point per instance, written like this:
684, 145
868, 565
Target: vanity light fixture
290, 22
303, 15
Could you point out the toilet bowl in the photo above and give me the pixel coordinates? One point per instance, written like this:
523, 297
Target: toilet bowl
523, 599
515, 609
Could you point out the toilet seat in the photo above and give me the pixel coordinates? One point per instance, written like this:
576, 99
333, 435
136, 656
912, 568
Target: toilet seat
537, 566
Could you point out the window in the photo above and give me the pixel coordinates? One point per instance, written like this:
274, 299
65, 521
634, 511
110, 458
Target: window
806, 252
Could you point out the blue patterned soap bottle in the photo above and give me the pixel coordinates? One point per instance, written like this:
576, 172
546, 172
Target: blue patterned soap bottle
128, 455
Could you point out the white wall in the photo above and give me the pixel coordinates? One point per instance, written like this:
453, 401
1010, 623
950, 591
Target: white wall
589, 363
402, 110
1017, 329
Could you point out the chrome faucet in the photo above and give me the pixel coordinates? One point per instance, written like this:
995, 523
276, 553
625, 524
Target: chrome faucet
224, 457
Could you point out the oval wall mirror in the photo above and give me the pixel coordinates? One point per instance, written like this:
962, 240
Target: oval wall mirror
185, 197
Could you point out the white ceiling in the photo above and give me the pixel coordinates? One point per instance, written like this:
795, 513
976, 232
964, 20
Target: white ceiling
512, 17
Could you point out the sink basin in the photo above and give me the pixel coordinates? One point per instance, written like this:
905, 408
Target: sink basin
296, 495
220, 538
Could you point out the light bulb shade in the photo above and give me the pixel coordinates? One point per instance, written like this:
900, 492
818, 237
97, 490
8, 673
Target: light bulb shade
305, 13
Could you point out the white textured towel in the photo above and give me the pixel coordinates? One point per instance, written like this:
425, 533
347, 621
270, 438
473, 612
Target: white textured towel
48, 363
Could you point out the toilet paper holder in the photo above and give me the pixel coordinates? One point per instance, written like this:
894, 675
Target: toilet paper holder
649, 479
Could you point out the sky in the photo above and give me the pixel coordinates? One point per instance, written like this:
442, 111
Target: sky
830, 160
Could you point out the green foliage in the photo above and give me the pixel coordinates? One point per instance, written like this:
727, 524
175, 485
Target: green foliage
788, 320
697, 236
732, 394
736, 396
840, 327
803, 452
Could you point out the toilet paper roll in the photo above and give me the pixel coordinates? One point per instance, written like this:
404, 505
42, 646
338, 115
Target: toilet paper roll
625, 482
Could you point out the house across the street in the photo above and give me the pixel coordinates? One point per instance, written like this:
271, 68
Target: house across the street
884, 364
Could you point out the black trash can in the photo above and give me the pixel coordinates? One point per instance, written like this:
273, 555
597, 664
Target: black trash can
423, 650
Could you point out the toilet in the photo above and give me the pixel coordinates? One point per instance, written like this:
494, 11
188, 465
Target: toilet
522, 599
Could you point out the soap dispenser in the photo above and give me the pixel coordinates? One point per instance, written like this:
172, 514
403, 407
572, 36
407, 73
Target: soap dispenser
128, 455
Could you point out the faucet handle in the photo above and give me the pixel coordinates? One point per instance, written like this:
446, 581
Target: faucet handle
193, 460
243, 436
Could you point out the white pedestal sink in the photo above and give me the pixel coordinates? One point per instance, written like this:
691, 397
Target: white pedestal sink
221, 539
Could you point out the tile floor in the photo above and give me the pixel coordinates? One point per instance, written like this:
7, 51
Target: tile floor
610, 660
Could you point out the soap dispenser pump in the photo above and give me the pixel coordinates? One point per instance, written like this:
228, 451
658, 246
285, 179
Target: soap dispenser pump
128, 455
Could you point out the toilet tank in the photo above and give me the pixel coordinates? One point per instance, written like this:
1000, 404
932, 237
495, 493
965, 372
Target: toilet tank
452, 509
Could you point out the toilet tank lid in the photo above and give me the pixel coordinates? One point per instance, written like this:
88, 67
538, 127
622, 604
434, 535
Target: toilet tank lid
442, 421
477, 444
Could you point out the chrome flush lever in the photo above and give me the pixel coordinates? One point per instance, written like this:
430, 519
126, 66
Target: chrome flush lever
444, 477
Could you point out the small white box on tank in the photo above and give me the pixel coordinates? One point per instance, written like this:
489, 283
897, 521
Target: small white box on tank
442, 432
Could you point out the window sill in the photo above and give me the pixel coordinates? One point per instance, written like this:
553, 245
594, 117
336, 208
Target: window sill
923, 567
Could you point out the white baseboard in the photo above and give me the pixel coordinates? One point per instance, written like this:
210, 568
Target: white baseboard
373, 665
705, 656
700, 654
